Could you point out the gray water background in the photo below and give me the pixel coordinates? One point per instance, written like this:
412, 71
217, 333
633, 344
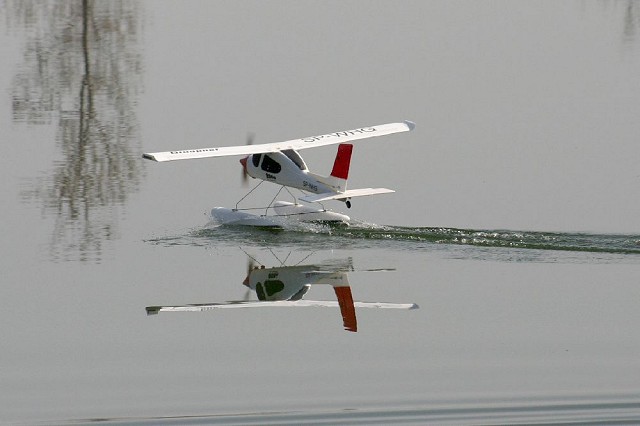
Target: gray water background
527, 119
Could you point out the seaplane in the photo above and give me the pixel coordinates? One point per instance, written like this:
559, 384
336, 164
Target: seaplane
285, 286
281, 164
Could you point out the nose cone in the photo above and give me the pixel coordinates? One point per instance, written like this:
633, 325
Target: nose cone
243, 161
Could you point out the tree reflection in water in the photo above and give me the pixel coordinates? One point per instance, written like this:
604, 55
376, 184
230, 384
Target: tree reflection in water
82, 69
631, 21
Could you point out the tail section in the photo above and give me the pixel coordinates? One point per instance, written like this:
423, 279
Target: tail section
337, 180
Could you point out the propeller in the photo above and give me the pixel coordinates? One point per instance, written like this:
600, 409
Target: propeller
251, 265
247, 294
243, 161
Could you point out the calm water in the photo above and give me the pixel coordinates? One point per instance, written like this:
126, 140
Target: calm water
498, 285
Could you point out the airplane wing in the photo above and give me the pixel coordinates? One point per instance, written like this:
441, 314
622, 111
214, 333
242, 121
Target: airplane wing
350, 193
308, 142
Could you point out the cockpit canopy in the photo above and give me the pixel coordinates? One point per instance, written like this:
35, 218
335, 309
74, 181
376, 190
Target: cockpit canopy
295, 157
268, 164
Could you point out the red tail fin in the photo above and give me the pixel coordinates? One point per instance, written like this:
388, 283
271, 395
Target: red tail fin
348, 310
343, 159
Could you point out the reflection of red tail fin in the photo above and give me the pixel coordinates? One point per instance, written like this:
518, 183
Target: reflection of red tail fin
342, 161
348, 311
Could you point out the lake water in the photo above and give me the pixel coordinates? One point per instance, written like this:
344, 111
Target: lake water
498, 285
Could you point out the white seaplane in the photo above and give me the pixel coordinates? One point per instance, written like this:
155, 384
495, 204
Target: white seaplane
281, 164
285, 286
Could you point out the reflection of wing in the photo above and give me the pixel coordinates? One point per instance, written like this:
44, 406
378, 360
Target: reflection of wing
152, 310
310, 142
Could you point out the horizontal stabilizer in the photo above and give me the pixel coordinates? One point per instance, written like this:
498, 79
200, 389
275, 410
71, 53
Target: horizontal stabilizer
296, 144
362, 192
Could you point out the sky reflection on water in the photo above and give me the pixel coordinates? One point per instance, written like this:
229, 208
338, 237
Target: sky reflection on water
526, 118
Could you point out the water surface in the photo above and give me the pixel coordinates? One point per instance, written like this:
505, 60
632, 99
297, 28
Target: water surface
515, 225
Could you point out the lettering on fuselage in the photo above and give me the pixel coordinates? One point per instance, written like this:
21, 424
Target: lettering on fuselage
345, 133
270, 176
311, 186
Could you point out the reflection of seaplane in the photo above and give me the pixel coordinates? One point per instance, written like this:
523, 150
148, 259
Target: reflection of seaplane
285, 286
281, 164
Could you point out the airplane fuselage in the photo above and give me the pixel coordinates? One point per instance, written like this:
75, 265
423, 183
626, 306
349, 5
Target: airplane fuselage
288, 169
